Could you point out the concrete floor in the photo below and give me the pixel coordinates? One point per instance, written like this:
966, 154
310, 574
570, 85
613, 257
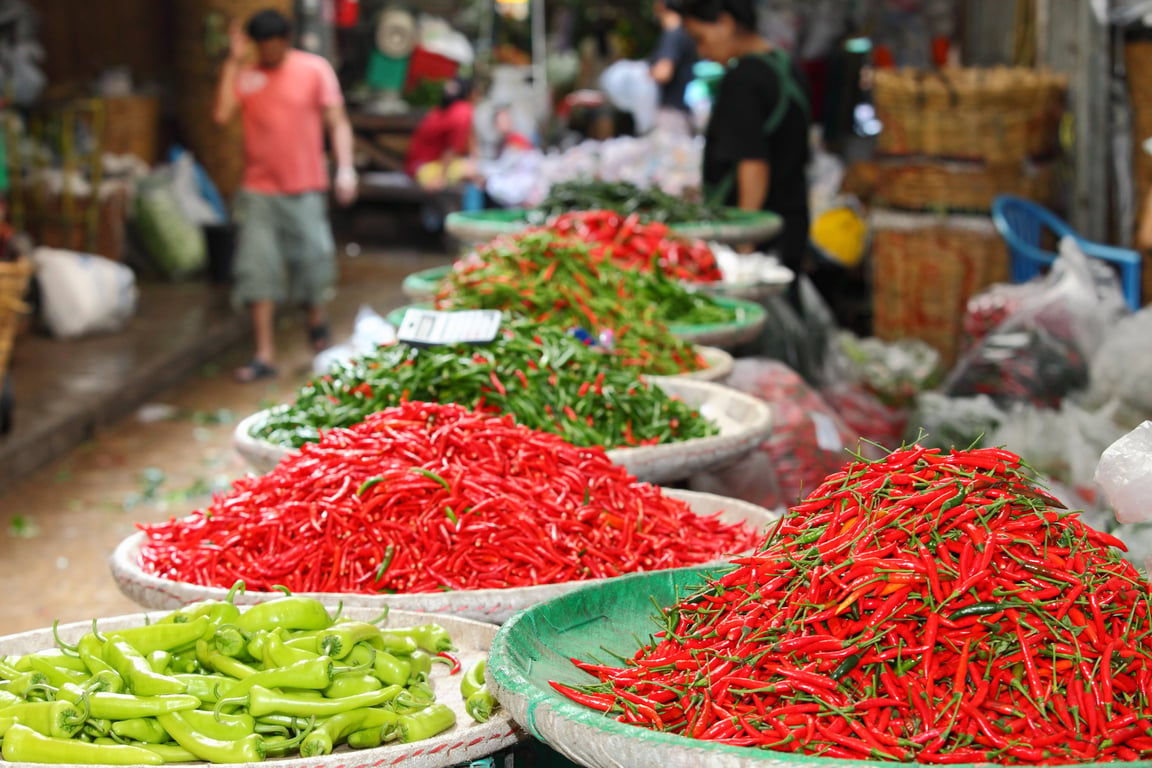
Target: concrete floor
59, 524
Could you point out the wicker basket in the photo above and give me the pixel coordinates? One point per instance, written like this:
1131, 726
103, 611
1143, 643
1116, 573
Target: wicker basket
995, 115
926, 269
1138, 60
924, 184
131, 126
14, 277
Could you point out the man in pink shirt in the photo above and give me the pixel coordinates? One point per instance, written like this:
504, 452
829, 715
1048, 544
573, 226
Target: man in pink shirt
285, 250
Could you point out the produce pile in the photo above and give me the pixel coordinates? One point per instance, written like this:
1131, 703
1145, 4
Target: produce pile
930, 607
624, 197
425, 497
543, 376
211, 682
634, 245
557, 280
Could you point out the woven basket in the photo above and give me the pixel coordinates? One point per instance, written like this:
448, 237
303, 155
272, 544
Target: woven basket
995, 115
131, 126
1138, 60
491, 605
923, 184
744, 423
925, 270
14, 277
464, 742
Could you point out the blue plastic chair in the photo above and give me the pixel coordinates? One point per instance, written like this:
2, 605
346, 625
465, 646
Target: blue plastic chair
1022, 224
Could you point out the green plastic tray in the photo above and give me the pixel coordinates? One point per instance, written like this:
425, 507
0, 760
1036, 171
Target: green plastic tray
736, 227
535, 646
750, 319
421, 285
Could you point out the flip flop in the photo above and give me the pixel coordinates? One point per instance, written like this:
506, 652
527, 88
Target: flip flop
320, 336
254, 371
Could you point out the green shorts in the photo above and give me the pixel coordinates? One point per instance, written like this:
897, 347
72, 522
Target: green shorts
284, 249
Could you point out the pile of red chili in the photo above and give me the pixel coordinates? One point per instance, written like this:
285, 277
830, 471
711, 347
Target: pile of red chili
929, 607
634, 244
424, 497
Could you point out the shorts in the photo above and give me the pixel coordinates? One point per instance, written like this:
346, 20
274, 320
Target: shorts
284, 250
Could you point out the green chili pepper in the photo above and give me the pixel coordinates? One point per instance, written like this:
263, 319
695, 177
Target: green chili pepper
205, 687
249, 749
226, 727
146, 729
260, 702
91, 651
473, 679
135, 670
230, 640
122, 706
24, 745
421, 665
24, 682
59, 719
350, 685
426, 723
480, 705
331, 732
37, 662
389, 669
56, 676
8, 699
105, 681
369, 738
313, 674
977, 609
169, 753
290, 613
161, 637
432, 638
160, 661
214, 660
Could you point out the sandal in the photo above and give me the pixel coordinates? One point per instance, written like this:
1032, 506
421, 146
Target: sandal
254, 371
320, 336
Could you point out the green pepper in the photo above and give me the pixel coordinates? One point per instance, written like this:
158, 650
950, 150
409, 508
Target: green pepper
146, 729
214, 660
160, 661
55, 658
91, 651
169, 752
278, 653
331, 732
8, 699
291, 613
313, 674
161, 637
134, 668
123, 706
220, 726
389, 669
104, 681
24, 682
260, 702
56, 676
183, 663
249, 749
432, 638
421, 665
230, 640
206, 688
480, 705
977, 609
24, 745
416, 696
59, 719
368, 738
473, 679
350, 685
425, 724
339, 640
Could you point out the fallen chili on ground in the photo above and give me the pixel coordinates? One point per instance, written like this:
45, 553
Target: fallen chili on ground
929, 607
425, 497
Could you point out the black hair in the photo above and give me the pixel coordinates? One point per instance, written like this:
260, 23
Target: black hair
457, 89
269, 24
743, 12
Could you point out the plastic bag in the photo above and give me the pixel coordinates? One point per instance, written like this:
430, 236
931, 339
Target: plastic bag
896, 372
1124, 474
808, 441
1039, 354
800, 339
1122, 368
939, 421
176, 244
369, 332
187, 191
1063, 444
83, 294
630, 88
865, 416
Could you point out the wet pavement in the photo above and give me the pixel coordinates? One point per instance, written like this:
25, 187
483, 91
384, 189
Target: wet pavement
137, 427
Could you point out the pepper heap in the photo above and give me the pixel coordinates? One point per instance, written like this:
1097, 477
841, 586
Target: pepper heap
632, 244
556, 280
541, 375
928, 607
425, 497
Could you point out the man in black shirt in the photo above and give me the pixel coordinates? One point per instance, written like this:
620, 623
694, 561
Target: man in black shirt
756, 145
672, 69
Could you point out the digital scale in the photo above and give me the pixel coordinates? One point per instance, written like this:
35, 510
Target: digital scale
429, 328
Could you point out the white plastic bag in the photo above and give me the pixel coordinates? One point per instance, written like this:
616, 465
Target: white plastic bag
187, 191
370, 331
82, 293
630, 88
1124, 474
1122, 368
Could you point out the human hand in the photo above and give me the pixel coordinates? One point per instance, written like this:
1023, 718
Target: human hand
347, 186
237, 42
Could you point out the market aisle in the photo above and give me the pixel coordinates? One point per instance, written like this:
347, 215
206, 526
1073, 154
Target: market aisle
58, 526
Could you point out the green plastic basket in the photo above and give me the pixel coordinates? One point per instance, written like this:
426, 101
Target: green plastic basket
749, 319
423, 285
482, 226
535, 646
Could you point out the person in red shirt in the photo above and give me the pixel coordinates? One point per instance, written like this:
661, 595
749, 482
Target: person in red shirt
285, 250
441, 150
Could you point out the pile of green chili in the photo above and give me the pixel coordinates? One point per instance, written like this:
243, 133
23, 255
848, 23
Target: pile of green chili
212, 682
559, 280
653, 204
543, 376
